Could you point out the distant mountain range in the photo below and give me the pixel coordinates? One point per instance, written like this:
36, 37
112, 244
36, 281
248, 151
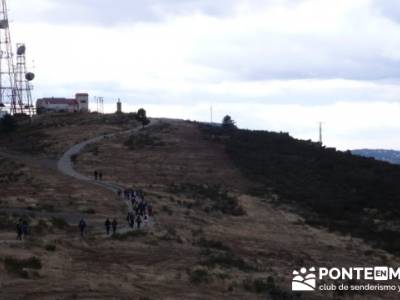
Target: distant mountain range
391, 156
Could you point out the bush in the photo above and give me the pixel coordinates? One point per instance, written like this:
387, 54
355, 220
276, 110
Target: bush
170, 234
9, 171
199, 275
142, 117
41, 227
210, 198
167, 210
18, 266
59, 223
8, 124
202, 242
267, 286
50, 248
7, 222
89, 211
227, 260
228, 123
129, 234
142, 140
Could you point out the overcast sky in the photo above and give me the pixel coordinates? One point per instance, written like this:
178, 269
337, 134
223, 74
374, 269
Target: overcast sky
281, 65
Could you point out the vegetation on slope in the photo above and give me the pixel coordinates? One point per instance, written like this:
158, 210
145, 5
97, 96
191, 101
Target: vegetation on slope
210, 198
39, 134
334, 189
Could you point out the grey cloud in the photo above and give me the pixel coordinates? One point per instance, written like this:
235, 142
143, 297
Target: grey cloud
114, 12
302, 57
388, 8
109, 13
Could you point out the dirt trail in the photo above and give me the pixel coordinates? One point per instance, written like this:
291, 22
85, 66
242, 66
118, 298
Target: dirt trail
65, 164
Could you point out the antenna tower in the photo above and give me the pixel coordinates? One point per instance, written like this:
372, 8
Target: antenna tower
22, 81
15, 89
7, 72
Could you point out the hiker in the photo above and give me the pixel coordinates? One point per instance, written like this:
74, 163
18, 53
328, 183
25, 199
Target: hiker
142, 207
134, 195
96, 174
131, 220
25, 228
138, 221
114, 226
19, 230
82, 226
137, 208
141, 194
107, 224
119, 193
100, 175
133, 202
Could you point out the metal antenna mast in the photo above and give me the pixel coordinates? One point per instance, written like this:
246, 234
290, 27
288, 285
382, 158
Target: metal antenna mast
7, 73
22, 81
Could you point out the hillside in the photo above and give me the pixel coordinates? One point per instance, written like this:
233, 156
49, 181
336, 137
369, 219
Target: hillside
226, 224
391, 156
333, 189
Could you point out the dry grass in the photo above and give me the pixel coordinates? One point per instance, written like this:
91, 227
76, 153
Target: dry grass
188, 253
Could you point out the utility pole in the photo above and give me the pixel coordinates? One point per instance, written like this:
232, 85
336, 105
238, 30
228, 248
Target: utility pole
320, 133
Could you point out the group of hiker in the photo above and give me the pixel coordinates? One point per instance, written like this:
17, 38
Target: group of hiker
141, 211
107, 224
98, 175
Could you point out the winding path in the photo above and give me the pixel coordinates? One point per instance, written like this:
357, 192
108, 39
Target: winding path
65, 164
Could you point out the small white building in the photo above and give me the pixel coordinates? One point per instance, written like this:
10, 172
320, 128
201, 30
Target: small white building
78, 104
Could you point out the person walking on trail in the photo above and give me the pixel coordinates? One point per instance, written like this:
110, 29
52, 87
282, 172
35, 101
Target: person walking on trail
25, 229
107, 224
100, 175
114, 226
82, 227
138, 221
133, 201
19, 230
96, 174
131, 220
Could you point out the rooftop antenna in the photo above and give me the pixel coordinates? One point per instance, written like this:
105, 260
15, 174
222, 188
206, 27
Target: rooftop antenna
320, 133
211, 114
